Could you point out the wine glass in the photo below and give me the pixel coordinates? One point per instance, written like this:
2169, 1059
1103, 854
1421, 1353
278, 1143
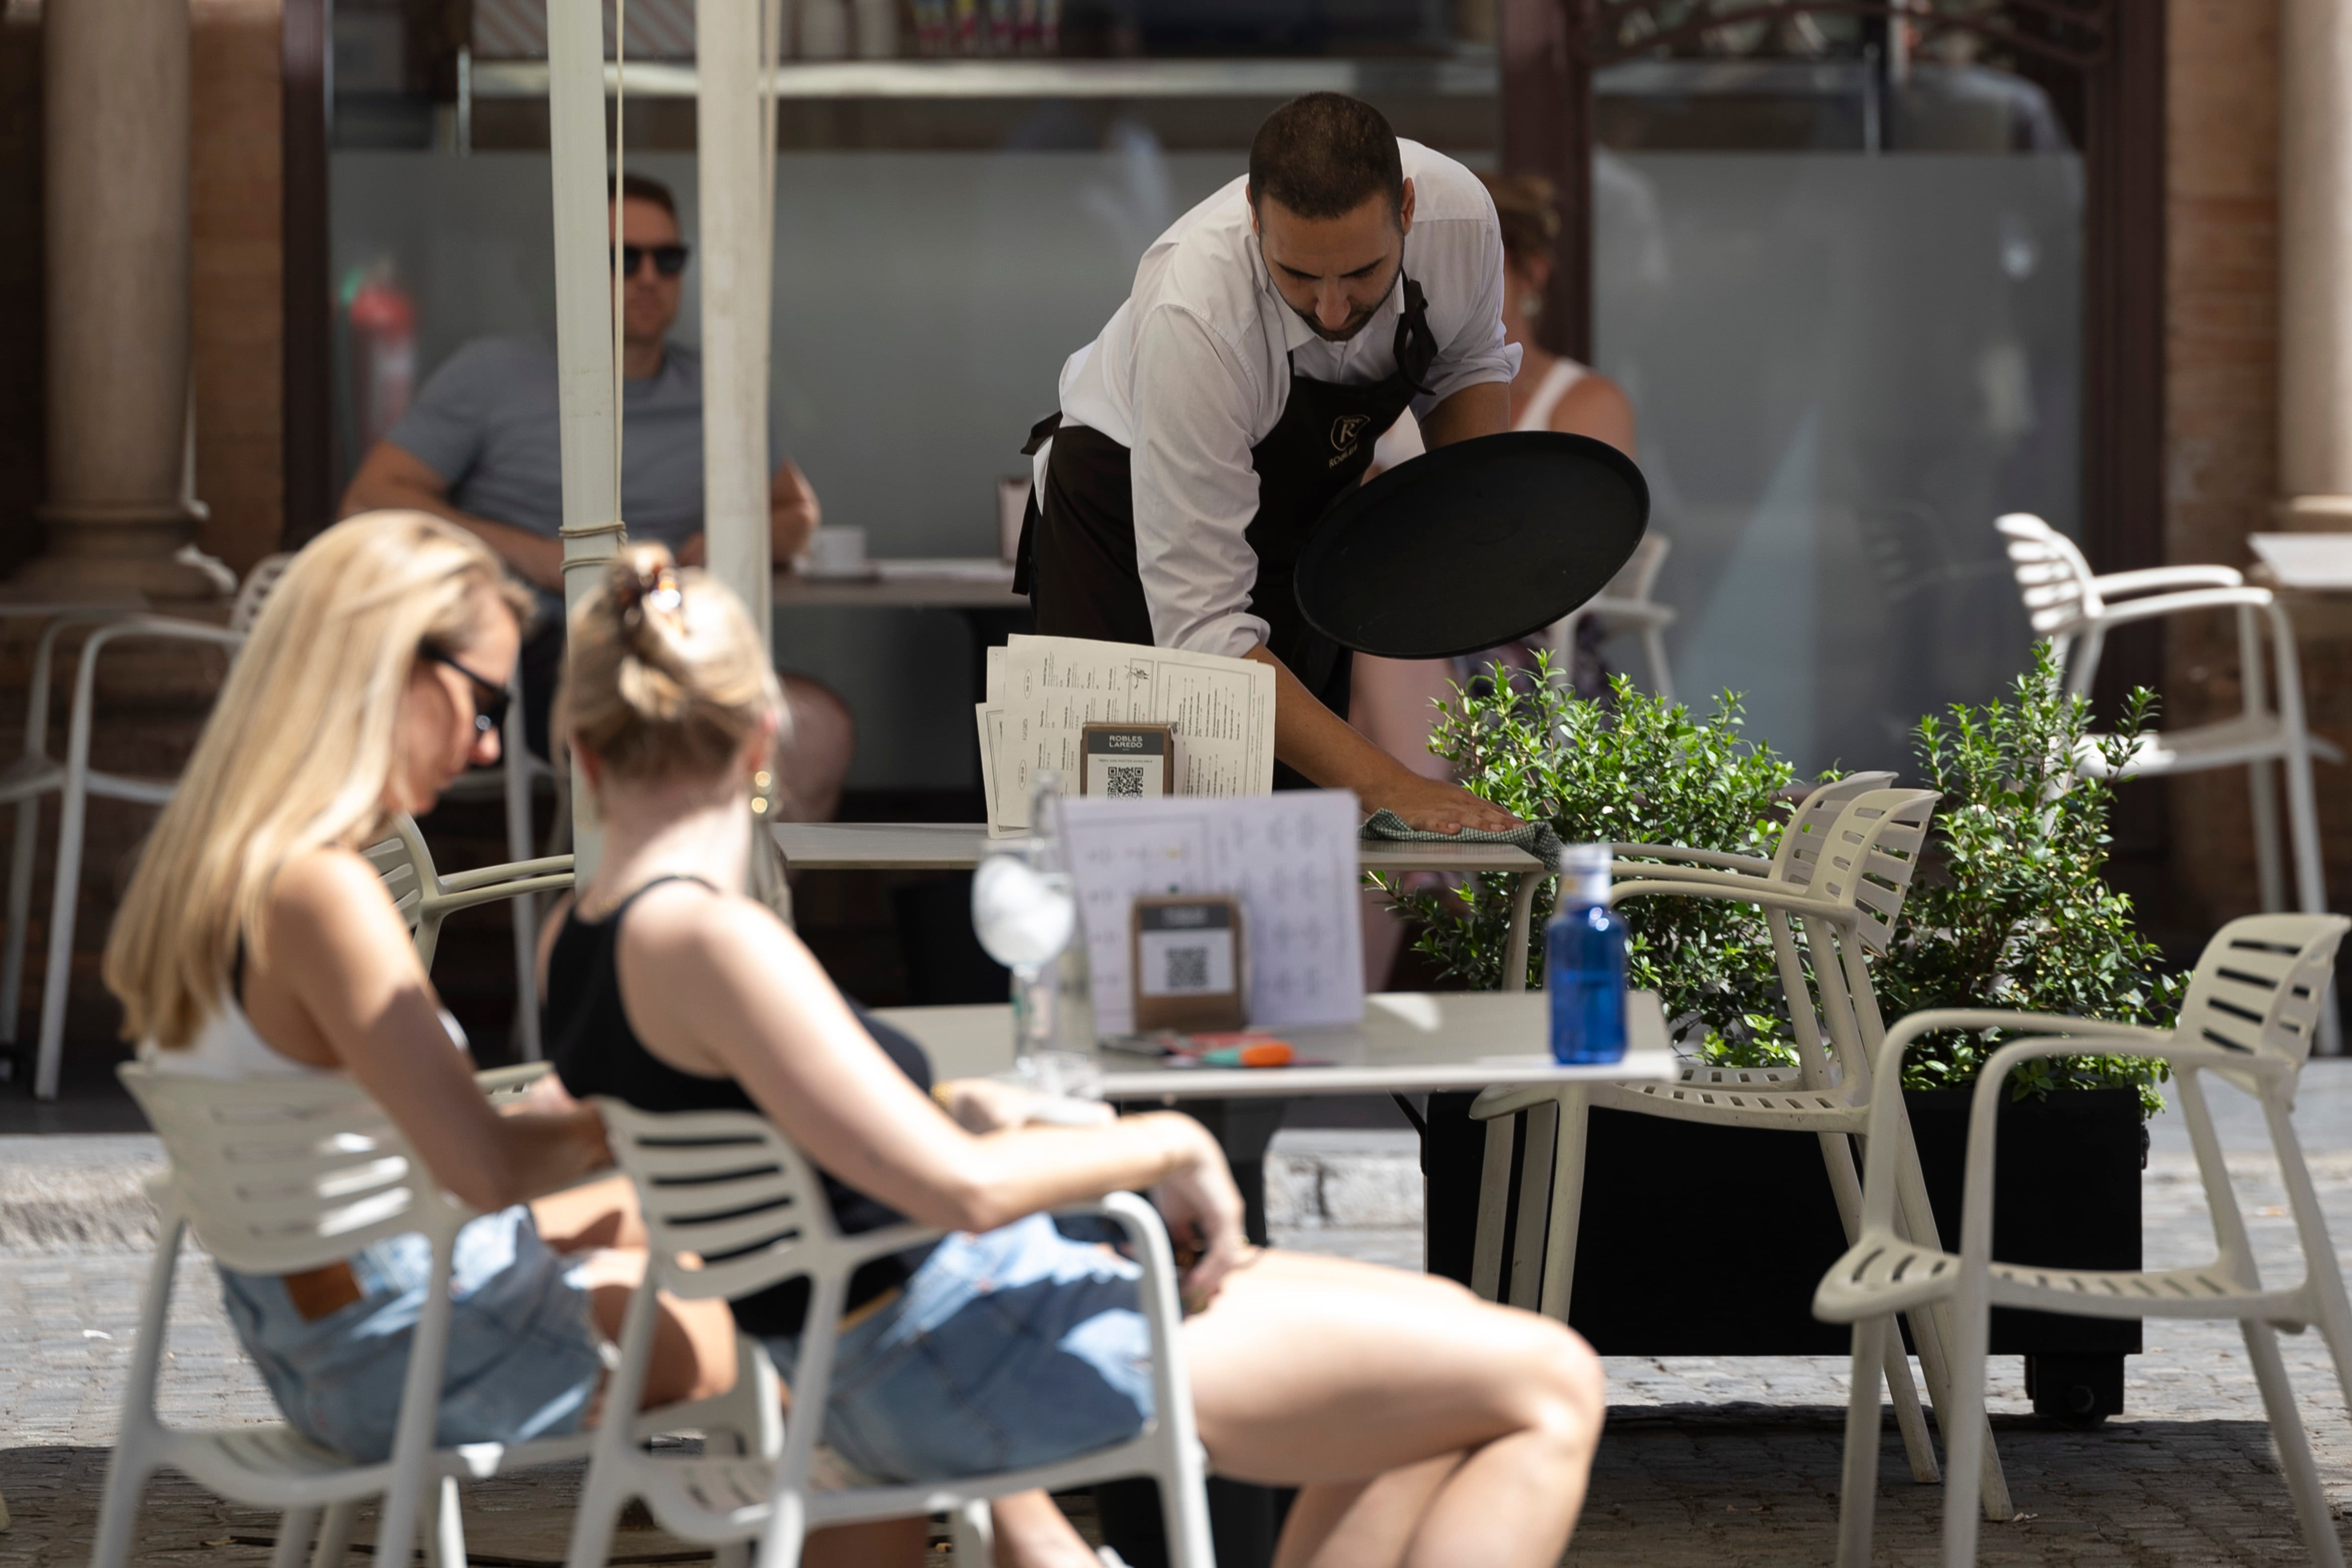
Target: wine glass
1024, 917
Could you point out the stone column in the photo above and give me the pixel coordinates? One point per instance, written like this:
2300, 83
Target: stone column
115, 136
2316, 265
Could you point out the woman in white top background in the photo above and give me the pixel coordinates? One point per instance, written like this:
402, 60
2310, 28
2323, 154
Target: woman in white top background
1394, 700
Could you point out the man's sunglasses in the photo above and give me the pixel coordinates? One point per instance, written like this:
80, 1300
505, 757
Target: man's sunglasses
669, 260
489, 697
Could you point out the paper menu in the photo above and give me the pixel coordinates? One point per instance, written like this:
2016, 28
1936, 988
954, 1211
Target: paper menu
1041, 692
1292, 860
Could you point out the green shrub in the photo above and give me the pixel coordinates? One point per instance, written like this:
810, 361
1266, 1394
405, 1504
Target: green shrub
1631, 770
2013, 909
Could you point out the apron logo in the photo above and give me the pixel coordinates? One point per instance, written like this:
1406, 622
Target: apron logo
1345, 432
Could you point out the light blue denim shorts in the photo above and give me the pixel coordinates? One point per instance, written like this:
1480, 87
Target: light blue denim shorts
524, 1358
1013, 1348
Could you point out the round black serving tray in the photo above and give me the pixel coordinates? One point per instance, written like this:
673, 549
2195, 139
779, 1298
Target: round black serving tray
1475, 544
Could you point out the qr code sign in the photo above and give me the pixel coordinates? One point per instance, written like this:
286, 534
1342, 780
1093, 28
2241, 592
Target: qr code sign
1187, 969
1127, 782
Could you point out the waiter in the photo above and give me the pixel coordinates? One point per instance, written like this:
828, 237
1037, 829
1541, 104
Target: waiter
1271, 335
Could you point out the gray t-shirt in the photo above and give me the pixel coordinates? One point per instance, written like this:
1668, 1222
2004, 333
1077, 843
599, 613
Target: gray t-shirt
488, 422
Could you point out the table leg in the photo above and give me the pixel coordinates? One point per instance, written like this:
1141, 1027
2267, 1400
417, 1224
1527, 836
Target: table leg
1523, 909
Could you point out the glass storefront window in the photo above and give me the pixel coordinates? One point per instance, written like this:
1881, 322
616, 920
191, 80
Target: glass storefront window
1847, 306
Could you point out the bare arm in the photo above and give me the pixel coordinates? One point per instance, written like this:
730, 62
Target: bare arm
741, 996
793, 513
1598, 407
342, 979
1319, 743
392, 476
1481, 410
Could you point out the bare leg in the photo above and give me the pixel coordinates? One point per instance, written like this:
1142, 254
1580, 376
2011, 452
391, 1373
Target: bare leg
892, 1543
593, 1214
694, 1342
1311, 1371
1351, 1524
816, 748
1030, 1533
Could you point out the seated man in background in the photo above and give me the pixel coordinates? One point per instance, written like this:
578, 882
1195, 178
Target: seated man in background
481, 447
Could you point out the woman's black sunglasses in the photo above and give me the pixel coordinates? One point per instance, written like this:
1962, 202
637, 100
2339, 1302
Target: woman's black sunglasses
489, 697
669, 260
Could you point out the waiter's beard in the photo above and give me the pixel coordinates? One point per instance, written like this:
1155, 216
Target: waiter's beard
1357, 322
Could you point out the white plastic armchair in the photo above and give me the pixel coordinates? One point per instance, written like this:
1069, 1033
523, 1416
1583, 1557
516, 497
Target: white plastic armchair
2075, 610
36, 774
1841, 889
2251, 1015
1626, 603
726, 1191
283, 1175
425, 899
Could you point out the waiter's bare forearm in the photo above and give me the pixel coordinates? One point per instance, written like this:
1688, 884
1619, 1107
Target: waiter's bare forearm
1481, 410
393, 477
1324, 747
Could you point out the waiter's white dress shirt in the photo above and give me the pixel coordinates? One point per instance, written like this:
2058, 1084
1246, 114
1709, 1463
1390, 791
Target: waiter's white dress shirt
1194, 371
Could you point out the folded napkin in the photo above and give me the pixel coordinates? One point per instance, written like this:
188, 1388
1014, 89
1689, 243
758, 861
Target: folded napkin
1537, 838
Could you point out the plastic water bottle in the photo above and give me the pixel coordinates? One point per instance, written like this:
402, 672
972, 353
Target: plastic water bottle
1584, 962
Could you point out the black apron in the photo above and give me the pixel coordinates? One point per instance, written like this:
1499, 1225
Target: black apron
1077, 559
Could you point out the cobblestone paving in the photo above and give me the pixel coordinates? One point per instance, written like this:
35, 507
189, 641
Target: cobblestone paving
1720, 1461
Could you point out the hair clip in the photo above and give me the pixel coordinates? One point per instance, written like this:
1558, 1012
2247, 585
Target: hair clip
665, 595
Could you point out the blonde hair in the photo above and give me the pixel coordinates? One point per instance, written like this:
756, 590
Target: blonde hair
664, 673
297, 754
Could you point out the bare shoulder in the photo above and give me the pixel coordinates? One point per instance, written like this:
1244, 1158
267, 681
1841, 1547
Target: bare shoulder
324, 882
328, 905
691, 928
1598, 407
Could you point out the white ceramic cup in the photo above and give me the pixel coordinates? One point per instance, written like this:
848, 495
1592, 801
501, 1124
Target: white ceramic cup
836, 551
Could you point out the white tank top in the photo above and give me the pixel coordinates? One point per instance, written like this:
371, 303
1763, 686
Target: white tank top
1401, 442
1564, 374
228, 1047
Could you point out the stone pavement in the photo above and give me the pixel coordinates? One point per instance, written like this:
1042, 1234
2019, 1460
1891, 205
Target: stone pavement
1705, 1461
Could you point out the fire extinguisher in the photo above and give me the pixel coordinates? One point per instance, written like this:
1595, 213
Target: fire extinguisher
383, 320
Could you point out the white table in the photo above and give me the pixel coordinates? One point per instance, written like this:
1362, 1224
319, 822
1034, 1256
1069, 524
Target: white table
958, 846
932, 583
1409, 1042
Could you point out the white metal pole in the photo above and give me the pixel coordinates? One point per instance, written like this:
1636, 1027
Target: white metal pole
734, 245
592, 528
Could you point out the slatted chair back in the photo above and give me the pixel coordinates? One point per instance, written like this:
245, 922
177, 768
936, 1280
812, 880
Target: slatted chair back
1801, 841
426, 898
1870, 855
1639, 575
2259, 986
2052, 576
278, 1176
730, 1204
254, 591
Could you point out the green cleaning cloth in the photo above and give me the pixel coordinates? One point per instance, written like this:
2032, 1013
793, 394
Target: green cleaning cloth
1537, 838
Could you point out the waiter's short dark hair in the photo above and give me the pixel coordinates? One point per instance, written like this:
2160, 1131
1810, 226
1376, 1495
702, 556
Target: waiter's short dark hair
644, 190
1323, 156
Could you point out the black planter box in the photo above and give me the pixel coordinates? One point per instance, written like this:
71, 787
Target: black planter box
1700, 1240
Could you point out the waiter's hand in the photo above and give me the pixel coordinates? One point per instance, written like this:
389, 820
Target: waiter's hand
1319, 743
1436, 807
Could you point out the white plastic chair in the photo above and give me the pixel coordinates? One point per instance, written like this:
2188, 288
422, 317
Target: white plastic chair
2075, 610
1843, 887
37, 774
427, 898
731, 1208
2250, 1016
1627, 604
283, 1175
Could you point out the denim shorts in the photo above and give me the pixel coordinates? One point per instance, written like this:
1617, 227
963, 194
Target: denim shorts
524, 1355
1013, 1348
